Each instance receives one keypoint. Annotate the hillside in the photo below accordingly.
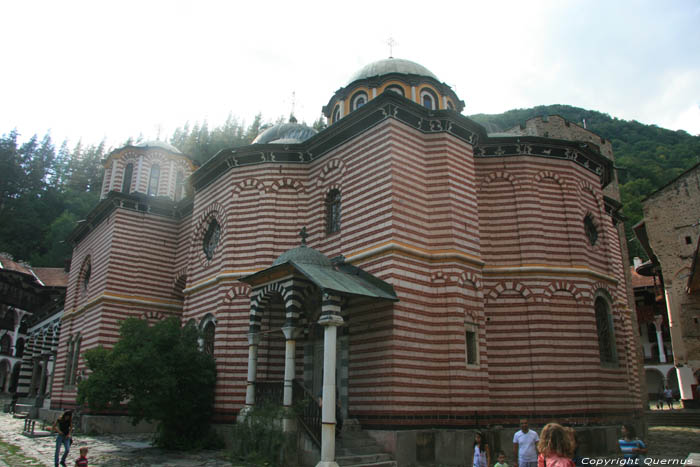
(647, 156)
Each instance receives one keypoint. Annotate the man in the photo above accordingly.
(525, 446)
(668, 395)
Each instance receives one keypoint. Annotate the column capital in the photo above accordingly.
(330, 320)
(291, 332)
(253, 338)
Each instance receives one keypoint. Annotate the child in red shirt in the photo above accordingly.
(82, 460)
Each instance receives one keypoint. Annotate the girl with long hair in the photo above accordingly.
(555, 447)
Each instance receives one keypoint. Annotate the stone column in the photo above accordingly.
(253, 341)
(330, 320)
(290, 333)
(660, 338)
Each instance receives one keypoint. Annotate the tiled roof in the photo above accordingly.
(52, 277)
(639, 280)
(47, 277)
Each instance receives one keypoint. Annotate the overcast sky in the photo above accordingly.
(99, 69)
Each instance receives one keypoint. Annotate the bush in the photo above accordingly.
(158, 374)
(260, 441)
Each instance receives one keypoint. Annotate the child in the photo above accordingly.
(482, 457)
(501, 460)
(555, 447)
(633, 449)
(82, 460)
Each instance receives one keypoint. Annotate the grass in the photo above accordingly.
(12, 455)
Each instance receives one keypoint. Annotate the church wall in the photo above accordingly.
(541, 317)
(132, 259)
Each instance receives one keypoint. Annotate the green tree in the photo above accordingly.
(158, 374)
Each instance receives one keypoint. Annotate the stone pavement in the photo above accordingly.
(129, 450)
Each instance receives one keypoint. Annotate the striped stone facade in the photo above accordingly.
(483, 240)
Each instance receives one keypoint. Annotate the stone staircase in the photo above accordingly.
(683, 417)
(355, 448)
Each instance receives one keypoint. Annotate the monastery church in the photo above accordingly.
(427, 274)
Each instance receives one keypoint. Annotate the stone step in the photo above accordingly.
(358, 450)
(388, 463)
(368, 459)
(352, 442)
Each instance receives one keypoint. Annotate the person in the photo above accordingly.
(64, 427)
(82, 460)
(525, 446)
(668, 396)
(501, 458)
(481, 457)
(555, 447)
(632, 449)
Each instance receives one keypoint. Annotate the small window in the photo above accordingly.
(128, 173)
(359, 100)
(208, 338)
(211, 239)
(179, 185)
(450, 106)
(590, 229)
(86, 278)
(606, 342)
(333, 212)
(688, 240)
(5, 345)
(336, 114)
(472, 343)
(394, 88)
(153, 181)
(428, 99)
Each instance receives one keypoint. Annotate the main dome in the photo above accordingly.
(391, 65)
(285, 133)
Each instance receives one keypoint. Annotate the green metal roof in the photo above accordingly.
(339, 277)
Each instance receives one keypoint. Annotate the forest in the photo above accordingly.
(46, 189)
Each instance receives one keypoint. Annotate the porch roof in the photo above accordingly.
(335, 276)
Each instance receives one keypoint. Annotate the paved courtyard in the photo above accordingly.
(131, 450)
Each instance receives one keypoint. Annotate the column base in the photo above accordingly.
(243, 414)
(327, 464)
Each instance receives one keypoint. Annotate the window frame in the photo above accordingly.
(153, 185)
(358, 95)
(128, 176)
(333, 206)
(605, 330)
(429, 93)
(471, 329)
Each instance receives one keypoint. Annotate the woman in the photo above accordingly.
(482, 457)
(555, 447)
(632, 449)
(64, 427)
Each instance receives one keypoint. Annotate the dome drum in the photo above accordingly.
(413, 79)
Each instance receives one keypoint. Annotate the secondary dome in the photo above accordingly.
(391, 65)
(158, 144)
(285, 133)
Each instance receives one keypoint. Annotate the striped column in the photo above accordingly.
(26, 370)
(330, 319)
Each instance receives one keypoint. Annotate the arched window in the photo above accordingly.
(606, 335)
(19, 348)
(179, 185)
(428, 99)
(333, 211)
(358, 100)
(76, 357)
(5, 345)
(86, 276)
(211, 239)
(69, 362)
(128, 173)
(450, 106)
(395, 88)
(590, 229)
(153, 180)
(336, 114)
(208, 337)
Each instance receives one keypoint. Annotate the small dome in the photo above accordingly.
(158, 144)
(391, 65)
(303, 255)
(285, 133)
